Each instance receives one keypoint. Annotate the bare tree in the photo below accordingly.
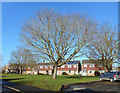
(31, 62)
(104, 48)
(18, 58)
(56, 37)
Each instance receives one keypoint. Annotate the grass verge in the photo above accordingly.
(47, 81)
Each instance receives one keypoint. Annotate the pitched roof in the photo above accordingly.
(70, 62)
(93, 61)
(45, 63)
(73, 62)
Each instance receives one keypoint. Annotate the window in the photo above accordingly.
(50, 66)
(28, 67)
(90, 71)
(92, 65)
(100, 66)
(41, 66)
(46, 66)
(76, 72)
(47, 72)
(69, 71)
(61, 71)
(75, 66)
(69, 66)
(85, 65)
(62, 66)
(24, 71)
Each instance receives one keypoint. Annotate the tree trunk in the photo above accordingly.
(55, 72)
(32, 73)
(20, 69)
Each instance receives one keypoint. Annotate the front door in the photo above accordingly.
(84, 73)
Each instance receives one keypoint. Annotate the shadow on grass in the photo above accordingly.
(73, 76)
(12, 79)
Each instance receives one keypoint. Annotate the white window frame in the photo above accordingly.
(50, 66)
(46, 67)
(76, 71)
(69, 66)
(75, 66)
(41, 66)
(71, 71)
(91, 65)
(62, 66)
(100, 66)
(85, 65)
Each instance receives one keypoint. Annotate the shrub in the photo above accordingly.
(3, 71)
(97, 73)
(64, 73)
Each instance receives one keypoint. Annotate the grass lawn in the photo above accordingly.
(47, 81)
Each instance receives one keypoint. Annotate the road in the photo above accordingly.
(20, 88)
(94, 87)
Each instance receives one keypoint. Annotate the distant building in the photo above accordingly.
(88, 68)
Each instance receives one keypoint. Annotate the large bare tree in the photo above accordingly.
(57, 37)
(104, 48)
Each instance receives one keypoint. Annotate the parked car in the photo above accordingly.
(112, 76)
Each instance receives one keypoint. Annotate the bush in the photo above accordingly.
(3, 71)
(97, 73)
(64, 73)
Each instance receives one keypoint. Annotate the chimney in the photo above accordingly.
(43, 61)
(73, 59)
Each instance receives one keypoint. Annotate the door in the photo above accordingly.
(84, 73)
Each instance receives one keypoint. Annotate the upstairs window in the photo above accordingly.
(50, 66)
(85, 65)
(75, 66)
(46, 66)
(62, 66)
(100, 66)
(69, 66)
(92, 65)
(41, 66)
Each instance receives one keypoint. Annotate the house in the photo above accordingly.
(71, 68)
(88, 68)
(6, 68)
(45, 68)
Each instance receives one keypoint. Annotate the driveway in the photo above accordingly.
(93, 87)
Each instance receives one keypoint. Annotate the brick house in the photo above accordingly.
(45, 68)
(88, 68)
(71, 68)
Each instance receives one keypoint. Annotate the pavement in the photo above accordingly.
(9, 87)
(93, 87)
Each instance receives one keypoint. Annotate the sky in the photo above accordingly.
(15, 14)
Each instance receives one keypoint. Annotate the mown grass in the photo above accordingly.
(47, 81)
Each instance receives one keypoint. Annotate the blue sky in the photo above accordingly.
(14, 15)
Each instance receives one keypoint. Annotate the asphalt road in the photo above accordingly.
(9, 87)
(94, 87)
